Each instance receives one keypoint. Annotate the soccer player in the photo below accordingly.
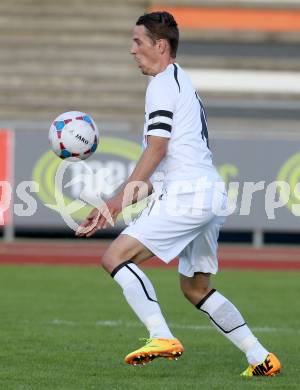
(181, 220)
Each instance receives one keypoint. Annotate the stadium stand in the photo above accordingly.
(61, 55)
(58, 56)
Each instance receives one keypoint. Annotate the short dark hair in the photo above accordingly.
(161, 25)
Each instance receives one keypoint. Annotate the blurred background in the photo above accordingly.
(68, 327)
(243, 57)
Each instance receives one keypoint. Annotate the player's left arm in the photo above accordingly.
(137, 186)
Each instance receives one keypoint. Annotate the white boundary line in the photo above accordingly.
(192, 327)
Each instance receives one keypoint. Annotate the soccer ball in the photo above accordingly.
(73, 134)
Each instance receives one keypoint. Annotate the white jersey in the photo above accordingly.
(174, 110)
(184, 222)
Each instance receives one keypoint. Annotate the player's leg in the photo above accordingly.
(196, 262)
(223, 314)
(121, 260)
(124, 248)
(228, 321)
(165, 234)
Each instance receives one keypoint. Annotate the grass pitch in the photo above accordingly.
(69, 328)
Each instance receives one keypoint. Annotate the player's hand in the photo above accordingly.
(100, 218)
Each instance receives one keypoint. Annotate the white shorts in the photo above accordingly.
(184, 227)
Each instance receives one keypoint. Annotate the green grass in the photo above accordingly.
(54, 334)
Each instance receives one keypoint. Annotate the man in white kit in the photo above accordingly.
(184, 217)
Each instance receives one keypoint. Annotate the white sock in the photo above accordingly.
(140, 295)
(229, 321)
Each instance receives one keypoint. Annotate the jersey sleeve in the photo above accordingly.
(160, 107)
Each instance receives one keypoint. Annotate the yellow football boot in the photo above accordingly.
(170, 349)
(269, 367)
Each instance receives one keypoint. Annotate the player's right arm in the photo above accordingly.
(160, 106)
(137, 187)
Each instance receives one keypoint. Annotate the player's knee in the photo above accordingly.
(110, 260)
(186, 293)
(105, 261)
(194, 295)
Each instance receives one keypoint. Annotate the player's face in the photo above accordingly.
(145, 51)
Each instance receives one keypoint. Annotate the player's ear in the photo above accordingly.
(162, 45)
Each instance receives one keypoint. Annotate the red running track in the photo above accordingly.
(89, 253)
